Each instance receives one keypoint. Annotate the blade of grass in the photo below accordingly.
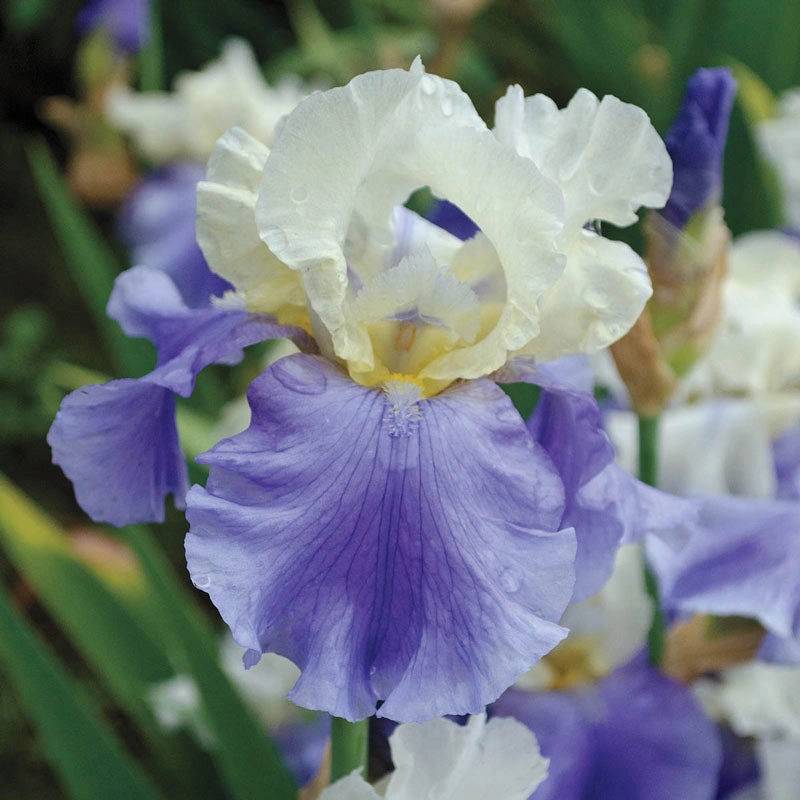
(151, 58)
(88, 759)
(92, 264)
(101, 600)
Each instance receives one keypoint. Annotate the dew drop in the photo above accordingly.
(596, 299)
(276, 239)
(447, 107)
(509, 580)
(202, 581)
(299, 194)
(428, 85)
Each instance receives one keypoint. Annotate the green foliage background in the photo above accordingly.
(78, 643)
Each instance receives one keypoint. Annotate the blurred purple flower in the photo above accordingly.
(743, 558)
(452, 219)
(126, 21)
(302, 746)
(635, 735)
(786, 450)
(158, 224)
(696, 143)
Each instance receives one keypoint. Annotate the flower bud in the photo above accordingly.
(686, 249)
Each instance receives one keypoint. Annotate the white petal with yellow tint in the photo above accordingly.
(596, 301)
(605, 154)
(227, 233)
(355, 153)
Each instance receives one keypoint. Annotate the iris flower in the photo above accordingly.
(446, 761)
(388, 521)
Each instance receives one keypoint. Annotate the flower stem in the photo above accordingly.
(648, 473)
(348, 747)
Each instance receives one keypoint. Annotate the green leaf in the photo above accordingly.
(248, 760)
(92, 264)
(23, 16)
(102, 604)
(89, 761)
(151, 58)
(752, 197)
(524, 396)
(101, 599)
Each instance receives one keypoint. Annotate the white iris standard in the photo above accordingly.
(390, 295)
(608, 160)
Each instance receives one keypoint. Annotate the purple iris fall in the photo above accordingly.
(388, 521)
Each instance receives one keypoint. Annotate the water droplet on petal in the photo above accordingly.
(596, 299)
(202, 581)
(299, 194)
(447, 106)
(276, 239)
(428, 85)
(509, 580)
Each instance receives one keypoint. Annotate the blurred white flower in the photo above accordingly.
(762, 700)
(176, 703)
(779, 138)
(187, 122)
(441, 760)
(716, 437)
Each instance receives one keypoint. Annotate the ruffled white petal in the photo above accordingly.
(351, 787)
(595, 301)
(350, 155)
(605, 154)
(418, 288)
(227, 233)
(442, 760)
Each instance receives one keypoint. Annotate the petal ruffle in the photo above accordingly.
(599, 296)
(118, 445)
(448, 761)
(605, 154)
(397, 550)
(635, 735)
